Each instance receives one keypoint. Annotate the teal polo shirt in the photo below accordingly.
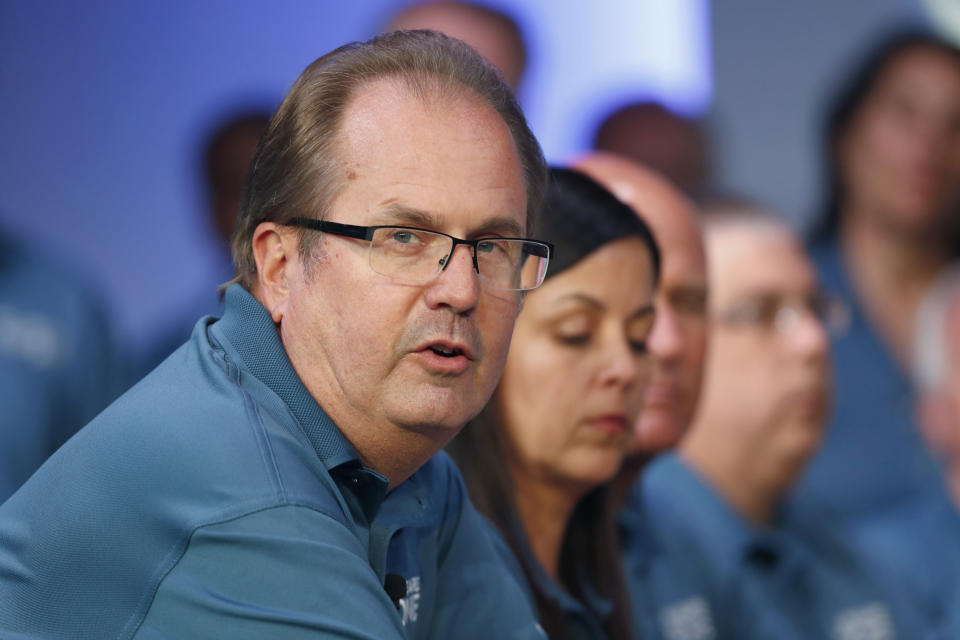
(216, 499)
(708, 574)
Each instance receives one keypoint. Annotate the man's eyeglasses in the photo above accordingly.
(783, 314)
(415, 256)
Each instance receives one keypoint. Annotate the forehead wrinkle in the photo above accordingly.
(398, 213)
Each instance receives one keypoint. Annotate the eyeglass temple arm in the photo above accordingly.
(336, 228)
(541, 250)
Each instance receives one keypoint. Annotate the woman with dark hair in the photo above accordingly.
(538, 459)
(890, 225)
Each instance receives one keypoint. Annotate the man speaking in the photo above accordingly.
(278, 476)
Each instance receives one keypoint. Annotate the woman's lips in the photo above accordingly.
(612, 424)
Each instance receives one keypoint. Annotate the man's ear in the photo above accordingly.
(276, 252)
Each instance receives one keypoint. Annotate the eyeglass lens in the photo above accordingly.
(414, 255)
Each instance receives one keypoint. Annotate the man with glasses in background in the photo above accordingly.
(279, 476)
(716, 508)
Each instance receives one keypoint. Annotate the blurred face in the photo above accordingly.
(900, 158)
(678, 341)
(232, 163)
(491, 39)
(767, 378)
(576, 372)
(659, 139)
(421, 357)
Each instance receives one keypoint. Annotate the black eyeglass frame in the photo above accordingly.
(366, 233)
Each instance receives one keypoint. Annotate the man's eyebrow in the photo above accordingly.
(400, 214)
(642, 312)
(503, 225)
(396, 213)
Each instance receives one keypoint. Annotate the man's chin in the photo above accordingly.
(436, 403)
(656, 431)
(433, 415)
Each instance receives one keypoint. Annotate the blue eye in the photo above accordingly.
(403, 236)
(487, 247)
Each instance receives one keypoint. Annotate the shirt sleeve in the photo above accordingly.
(283, 573)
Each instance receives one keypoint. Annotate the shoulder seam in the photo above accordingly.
(136, 619)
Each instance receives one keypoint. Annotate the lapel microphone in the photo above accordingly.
(396, 587)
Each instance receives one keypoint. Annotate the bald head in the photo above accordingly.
(678, 340)
(493, 34)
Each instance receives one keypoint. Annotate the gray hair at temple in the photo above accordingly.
(930, 353)
(297, 168)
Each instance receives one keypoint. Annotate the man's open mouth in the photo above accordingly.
(446, 352)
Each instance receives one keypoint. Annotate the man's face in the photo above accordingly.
(767, 374)
(363, 344)
(679, 337)
(678, 340)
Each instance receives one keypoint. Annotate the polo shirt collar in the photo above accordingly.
(248, 327)
(719, 531)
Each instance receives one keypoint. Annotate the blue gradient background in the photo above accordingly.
(103, 103)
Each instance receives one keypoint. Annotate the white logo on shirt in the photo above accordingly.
(31, 337)
(688, 620)
(869, 622)
(410, 603)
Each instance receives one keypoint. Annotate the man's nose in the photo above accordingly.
(666, 336)
(809, 335)
(457, 286)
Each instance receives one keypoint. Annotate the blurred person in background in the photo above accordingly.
(227, 152)
(715, 507)
(891, 224)
(936, 371)
(925, 566)
(225, 160)
(494, 34)
(667, 142)
(58, 366)
(539, 459)
(677, 344)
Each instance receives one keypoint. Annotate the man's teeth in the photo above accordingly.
(444, 351)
